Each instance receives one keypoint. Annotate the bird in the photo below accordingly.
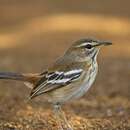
(68, 78)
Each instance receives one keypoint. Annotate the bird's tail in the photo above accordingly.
(28, 79)
(12, 76)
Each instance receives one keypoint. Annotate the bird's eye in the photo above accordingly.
(88, 46)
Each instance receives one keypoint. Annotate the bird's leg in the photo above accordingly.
(57, 115)
(61, 118)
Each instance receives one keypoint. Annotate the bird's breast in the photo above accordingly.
(89, 78)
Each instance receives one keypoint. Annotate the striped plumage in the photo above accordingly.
(65, 81)
(56, 79)
(68, 78)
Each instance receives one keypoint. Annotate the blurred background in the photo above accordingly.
(33, 33)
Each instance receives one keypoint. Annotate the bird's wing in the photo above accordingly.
(56, 79)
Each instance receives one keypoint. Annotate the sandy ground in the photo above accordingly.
(34, 33)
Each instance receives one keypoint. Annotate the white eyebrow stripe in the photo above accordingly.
(83, 44)
(73, 72)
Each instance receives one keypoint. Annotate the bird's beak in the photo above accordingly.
(104, 43)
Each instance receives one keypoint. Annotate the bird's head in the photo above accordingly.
(87, 48)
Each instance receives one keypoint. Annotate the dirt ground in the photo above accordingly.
(34, 33)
